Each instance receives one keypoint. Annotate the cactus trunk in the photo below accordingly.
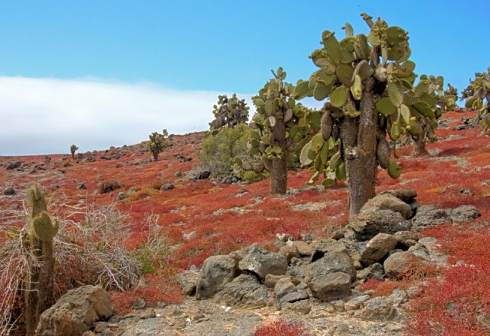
(419, 144)
(279, 171)
(359, 141)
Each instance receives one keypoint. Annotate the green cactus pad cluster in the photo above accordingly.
(345, 67)
(477, 97)
(40, 225)
(228, 112)
(276, 104)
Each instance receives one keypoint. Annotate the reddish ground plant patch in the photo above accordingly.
(458, 303)
(154, 289)
(282, 328)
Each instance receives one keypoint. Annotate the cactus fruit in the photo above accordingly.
(383, 153)
(326, 127)
(41, 230)
(368, 82)
(228, 112)
(158, 142)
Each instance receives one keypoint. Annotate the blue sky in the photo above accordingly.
(212, 46)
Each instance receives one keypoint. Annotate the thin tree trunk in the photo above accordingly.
(279, 171)
(359, 139)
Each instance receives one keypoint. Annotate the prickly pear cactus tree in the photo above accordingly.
(41, 230)
(278, 121)
(477, 97)
(73, 150)
(158, 142)
(367, 82)
(228, 112)
(433, 90)
(450, 98)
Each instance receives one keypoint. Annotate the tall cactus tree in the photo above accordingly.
(41, 230)
(73, 150)
(158, 142)
(228, 112)
(477, 96)
(369, 83)
(432, 88)
(276, 120)
(450, 98)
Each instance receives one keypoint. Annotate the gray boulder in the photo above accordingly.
(286, 291)
(9, 191)
(377, 248)
(76, 312)
(262, 262)
(366, 225)
(246, 291)
(388, 201)
(188, 282)
(428, 216)
(215, 273)
(464, 213)
(330, 277)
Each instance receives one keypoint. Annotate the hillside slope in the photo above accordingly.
(203, 218)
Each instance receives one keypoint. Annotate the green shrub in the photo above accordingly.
(226, 154)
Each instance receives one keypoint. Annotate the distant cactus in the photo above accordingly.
(477, 96)
(73, 150)
(450, 98)
(41, 230)
(158, 142)
(228, 112)
(369, 83)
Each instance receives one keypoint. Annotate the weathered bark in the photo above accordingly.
(155, 156)
(279, 169)
(359, 138)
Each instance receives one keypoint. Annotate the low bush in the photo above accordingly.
(226, 154)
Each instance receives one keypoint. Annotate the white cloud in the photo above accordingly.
(47, 115)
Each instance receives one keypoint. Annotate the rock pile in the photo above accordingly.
(381, 242)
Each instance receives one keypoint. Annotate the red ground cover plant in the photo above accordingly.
(154, 289)
(282, 328)
(458, 303)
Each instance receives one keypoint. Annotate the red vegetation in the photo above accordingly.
(154, 289)
(282, 328)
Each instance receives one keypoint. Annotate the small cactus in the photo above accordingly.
(73, 150)
(158, 142)
(41, 230)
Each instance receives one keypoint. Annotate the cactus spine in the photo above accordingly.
(41, 230)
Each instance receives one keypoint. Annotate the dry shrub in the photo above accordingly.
(92, 252)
